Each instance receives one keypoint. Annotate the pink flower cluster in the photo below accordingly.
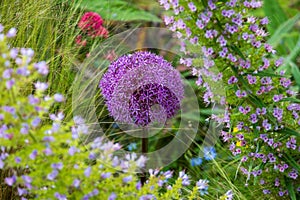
(91, 24)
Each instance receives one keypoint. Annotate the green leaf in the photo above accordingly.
(295, 72)
(275, 14)
(289, 132)
(291, 100)
(118, 10)
(290, 188)
(263, 74)
(282, 30)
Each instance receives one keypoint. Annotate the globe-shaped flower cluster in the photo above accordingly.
(135, 83)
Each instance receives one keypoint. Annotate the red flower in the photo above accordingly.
(100, 32)
(90, 21)
(79, 41)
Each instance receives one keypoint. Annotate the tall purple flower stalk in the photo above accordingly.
(135, 83)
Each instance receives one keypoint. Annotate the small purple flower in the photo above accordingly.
(192, 7)
(73, 150)
(240, 94)
(251, 79)
(41, 86)
(202, 186)
(264, 21)
(277, 98)
(10, 83)
(184, 177)
(279, 62)
(76, 183)
(60, 196)
(112, 196)
(36, 121)
(228, 13)
(52, 175)
(11, 33)
(42, 68)
(253, 118)
(232, 80)
(59, 98)
(88, 171)
(266, 191)
(211, 5)
(11, 180)
(127, 179)
(33, 155)
(58, 166)
(147, 197)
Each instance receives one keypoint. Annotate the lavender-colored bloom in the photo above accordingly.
(253, 118)
(228, 13)
(264, 21)
(112, 196)
(266, 191)
(202, 186)
(229, 195)
(52, 175)
(10, 83)
(144, 79)
(36, 121)
(33, 155)
(168, 20)
(127, 179)
(41, 86)
(88, 171)
(58, 166)
(10, 180)
(277, 98)
(232, 80)
(42, 68)
(73, 150)
(279, 62)
(22, 191)
(211, 5)
(240, 93)
(48, 151)
(251, 79)
(60, 196)
(59, 98)
(76, 183)
(184, 177)
(147, 197)
(11, 33)
(192, 7)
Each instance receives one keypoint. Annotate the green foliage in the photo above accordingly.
(118, 10)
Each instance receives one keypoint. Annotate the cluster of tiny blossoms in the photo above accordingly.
(262, 114)
(91, 23)
(42, 156)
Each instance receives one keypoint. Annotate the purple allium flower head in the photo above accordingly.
(136, 82)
